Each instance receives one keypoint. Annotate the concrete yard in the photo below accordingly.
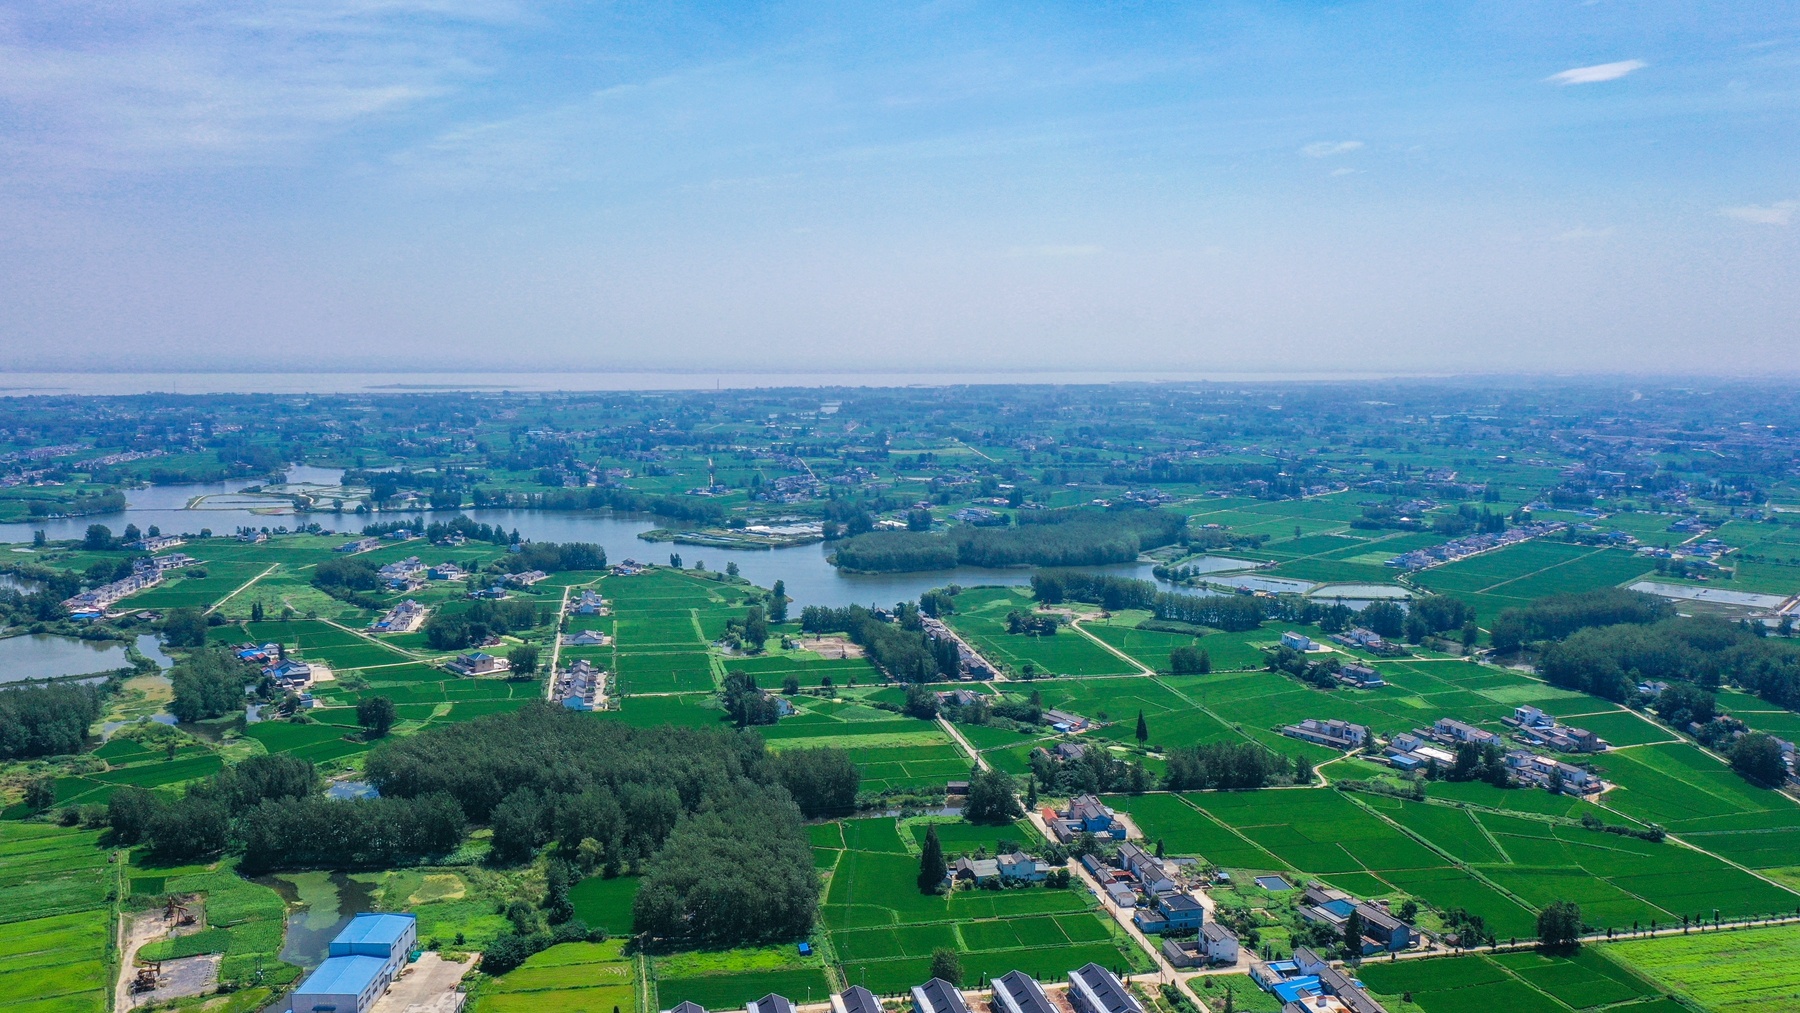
(427, 985)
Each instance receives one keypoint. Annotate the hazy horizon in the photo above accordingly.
(942, 188)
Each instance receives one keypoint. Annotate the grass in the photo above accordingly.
(1727, 972)
(605, 903)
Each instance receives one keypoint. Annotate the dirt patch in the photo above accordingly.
(835, 648)
(427, 985)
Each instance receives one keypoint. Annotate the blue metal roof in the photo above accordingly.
(342, 976)
(375, 930)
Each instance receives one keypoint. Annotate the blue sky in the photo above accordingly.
(1424, 187)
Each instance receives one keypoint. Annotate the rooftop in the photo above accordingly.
(376, 929)
(342, 976)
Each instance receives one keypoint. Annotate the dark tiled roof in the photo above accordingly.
(1018, 992)
(939, 996)
(857, 999)
(1107, 989)
(771, 1003)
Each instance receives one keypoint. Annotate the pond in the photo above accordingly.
(47, 656)
(320, 904)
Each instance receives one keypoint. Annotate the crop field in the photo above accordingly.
(1147, 646)
(1737, 971)
(724, 979)
(55, 920)
(810, 669)
(1681, 787)
(909, 766)
(566, 978)
(980, 617)
(1525, 981)
(884, 930)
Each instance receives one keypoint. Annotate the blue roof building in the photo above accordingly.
(361, 961)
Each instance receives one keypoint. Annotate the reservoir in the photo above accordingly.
(47, 656)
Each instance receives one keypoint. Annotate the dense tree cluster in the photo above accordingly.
(1609, 661)
(704, 811)
(1757, 758)
(1227, 766)
(821, 781)
(1076, 537)
(269, 807)
(1094, 772)
(993, 797)
(209, 683)
(453, 631)
(1557, 616)
(554, 557)
(46, 720)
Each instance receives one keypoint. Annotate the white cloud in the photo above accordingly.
(1779, 213)
(1346, 171)
(1325, 149)
(1597, 73)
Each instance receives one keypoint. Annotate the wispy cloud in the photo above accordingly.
(1325, 149)
(1597, 73)
(223, 83)
(1779, 213)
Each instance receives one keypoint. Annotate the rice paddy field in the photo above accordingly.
(980, 618)
(1735, 971)
(1524, 981)
(566, 978)
(883, 930)
(56, 916)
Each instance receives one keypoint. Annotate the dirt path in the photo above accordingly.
(562, 613)
(1143, 669)
(952, 731)
(241, 588)
(146, 927)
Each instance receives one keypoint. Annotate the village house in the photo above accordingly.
(1380, 930)
(1215, 944)
(1360, 676)
(1086, 814)
(580, 687)
(1453, 731)
(1018, 992)
(478, 663)
(1297, 641)
(938, 996)
(1018, 867)
(855, 999)
(1170, 912)
(1094, 989)
(1547, 772)
(528, 578)
(1335, 733)
(589, 604)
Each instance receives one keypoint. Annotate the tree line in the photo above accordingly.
(899, 648)
(46, 720)
(1080, 537)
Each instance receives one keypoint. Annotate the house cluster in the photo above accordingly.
(1367, 640)
(93, 604)
(359, 964)
(1536, 728)
(403, 574)
(360, 545)
(585, 638)
(405, 617)
(1066, 721)
(526, 579)
(628, 568)
(1423, 747)
(1551, 773)
(1012, 868)
(1381, 931)
(1085, 815)
(1471, 544)
(1334, 733)
(581, 687)
(289, 675)
(589, 604)
(969, 664)
(156, 543)
(1307, 983)
(1062, 752)
(478, 663)
(1165, 908)
(1091, 989)
(493, 592)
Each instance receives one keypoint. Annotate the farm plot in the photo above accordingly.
(981, 619)
(1525, 981)
(1149, 647)
(684, 672)
(1676, 784)
(884, 930)
(732, 978)
(566, 978)
(1729, 972)
(925, 765)
(55, 920)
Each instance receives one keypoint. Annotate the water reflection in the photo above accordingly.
(320, 904)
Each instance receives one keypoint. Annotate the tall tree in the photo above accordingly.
(1353, 933)
(931, 863)
(1143, 729)
(1559, 926)
(376, 715)
(778, 603)
(947, 965)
